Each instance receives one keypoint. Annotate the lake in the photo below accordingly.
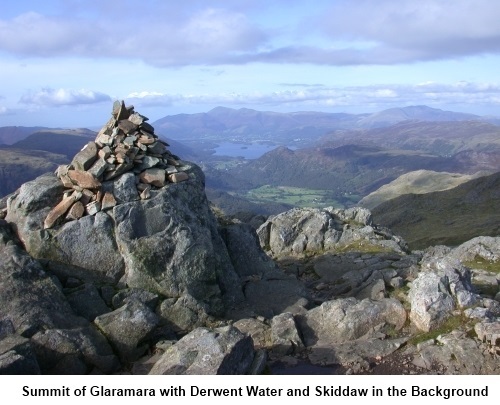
(246, 150)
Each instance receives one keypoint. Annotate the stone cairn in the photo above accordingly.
(126, 143)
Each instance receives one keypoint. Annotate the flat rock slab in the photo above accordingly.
(206, 352)
(126, 327)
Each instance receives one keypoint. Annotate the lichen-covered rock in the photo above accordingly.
(301, 230)
(183, 314)
(485, 247)
(126, 327)
(431, 300)
(347, 319)
(208, 352)
(438, 291)
(285, 338)
(87, 302)
(456, 353)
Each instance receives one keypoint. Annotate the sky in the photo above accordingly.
(63, 62)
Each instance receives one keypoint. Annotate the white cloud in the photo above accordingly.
(384, 96)
(166, 34)
(63, 97)
(409, 30)
(208, 36)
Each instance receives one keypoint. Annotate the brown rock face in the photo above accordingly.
(83, 179)
(178, 177)
(155, 177)
(76, 211)
(58, 211)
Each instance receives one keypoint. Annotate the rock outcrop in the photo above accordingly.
(299, 231)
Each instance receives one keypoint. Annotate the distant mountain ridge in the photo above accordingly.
(440, 138)
(12, 134)
(245, 124)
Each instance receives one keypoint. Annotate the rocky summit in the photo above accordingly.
(117, 264)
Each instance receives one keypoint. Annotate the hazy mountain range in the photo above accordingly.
(246, 125)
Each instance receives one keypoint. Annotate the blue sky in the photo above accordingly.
(63, 62)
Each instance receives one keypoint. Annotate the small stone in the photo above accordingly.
(86, 157)
(116, 108)
(58, 211)
(76, 211)
(137, 118)
(87, 196)
(105, 140)
(98, 196)
(132, 152)
(146, 193)
(170, 169)
(93, 208)
(173, 162)
(127, 126)
(397, 282)
(178, 177)
(120, 169)
(142, 186)
(62, 170)
(145, 127)
(121, 157)
(123, 113)
(130, 140)
(108, 201)
(83, 179)
(98, 168)
(146, 139)
(156, 177)
(66, 181)
(148, 162)
(104, 152)
(157, 148)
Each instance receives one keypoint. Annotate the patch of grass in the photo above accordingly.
(362, 246)
(298, 197)
(480, 263)
(401, 294)
(450, 324)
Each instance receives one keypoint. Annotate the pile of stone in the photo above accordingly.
(126, 144)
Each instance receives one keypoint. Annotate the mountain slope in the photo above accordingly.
(417, 182)
(60, 141)
(446, 217)
(19, 166)
(354, 169)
